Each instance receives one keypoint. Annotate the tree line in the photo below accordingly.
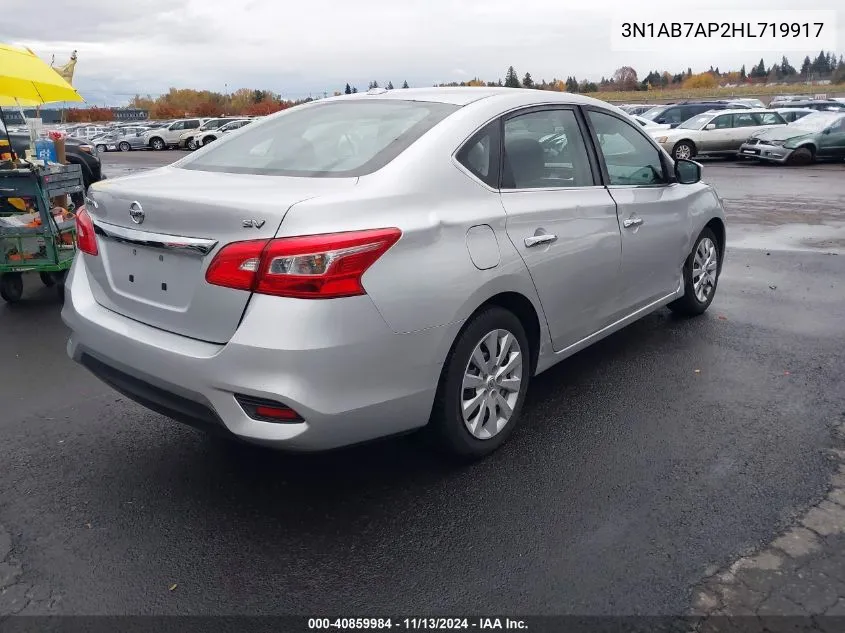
(824, 66)
(187, 102)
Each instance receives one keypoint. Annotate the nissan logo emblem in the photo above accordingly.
(136, 212)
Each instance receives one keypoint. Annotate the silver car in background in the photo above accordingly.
(372, 264)
(716, 133)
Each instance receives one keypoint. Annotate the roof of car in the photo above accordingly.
(740, 111)
(461, 96)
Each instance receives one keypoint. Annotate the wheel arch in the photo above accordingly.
(690, 142)
(521, 307)
(718, 227)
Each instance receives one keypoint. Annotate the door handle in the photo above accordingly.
(535, 240)
(632, 222)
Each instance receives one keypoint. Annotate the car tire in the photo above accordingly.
(476, 434)
(192, 145)
(683, 149)
(157, 143)
(208, 139)
(124, 147)
(11, 287)
(699, 293)
(801, 156)
(101, 148)
(47, 279)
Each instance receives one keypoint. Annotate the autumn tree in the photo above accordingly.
(701, 80)
(625, 78)
(511, 78)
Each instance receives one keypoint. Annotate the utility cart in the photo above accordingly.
(37, 224)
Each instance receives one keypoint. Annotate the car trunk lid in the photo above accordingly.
(157, 233)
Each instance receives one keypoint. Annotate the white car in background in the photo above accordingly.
(193, 139)
(164, 137)
(715, 133)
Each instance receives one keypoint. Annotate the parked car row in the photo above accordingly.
(792, 135)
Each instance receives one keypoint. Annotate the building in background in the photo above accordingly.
(51, 116)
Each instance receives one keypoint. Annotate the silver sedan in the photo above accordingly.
(374, 264)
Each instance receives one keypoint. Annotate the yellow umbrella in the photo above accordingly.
(26, 80)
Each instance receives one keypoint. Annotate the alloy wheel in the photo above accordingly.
(491, 384)
(705, 265)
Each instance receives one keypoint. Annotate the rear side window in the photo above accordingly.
(481, 154)
(335, 139)
(192, 125)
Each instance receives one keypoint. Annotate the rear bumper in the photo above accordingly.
(349, 376)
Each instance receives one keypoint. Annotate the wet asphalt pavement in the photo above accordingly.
(642, 463)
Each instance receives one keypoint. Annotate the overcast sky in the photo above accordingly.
(296, 48)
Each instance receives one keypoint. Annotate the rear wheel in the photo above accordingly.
(124, 146)
(482, 387)
(11, 287)
(60, 284)
(192, 144)
(701, 275)
(157, 144)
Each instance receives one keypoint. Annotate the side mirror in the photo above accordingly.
(710, 126)
(687, 172)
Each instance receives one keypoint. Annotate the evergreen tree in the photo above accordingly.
(742, 75)
(354, 90)
(511, 78)
(806, 67)
(390, 85)
(499, 84)
(787, 69)
(405, 85)
(348, 89)
(571, 84)
(527, 82)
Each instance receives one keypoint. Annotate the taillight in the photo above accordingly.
(86, 241)
(308, 267)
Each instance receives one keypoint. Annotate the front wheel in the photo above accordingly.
(701, 275)
(801, 156)
(157, 144)
(683, 150)
(192, 145)
(483, 385)
(11, 287)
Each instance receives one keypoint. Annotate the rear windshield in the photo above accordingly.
(335, 139)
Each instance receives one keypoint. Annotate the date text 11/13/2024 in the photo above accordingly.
(423, 624)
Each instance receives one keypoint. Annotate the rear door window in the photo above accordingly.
(324, 140)
(744, 120)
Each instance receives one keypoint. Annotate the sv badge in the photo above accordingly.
(253, 224)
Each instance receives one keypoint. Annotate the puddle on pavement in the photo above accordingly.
(828, 238)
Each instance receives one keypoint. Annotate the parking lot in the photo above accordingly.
(644, 464)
